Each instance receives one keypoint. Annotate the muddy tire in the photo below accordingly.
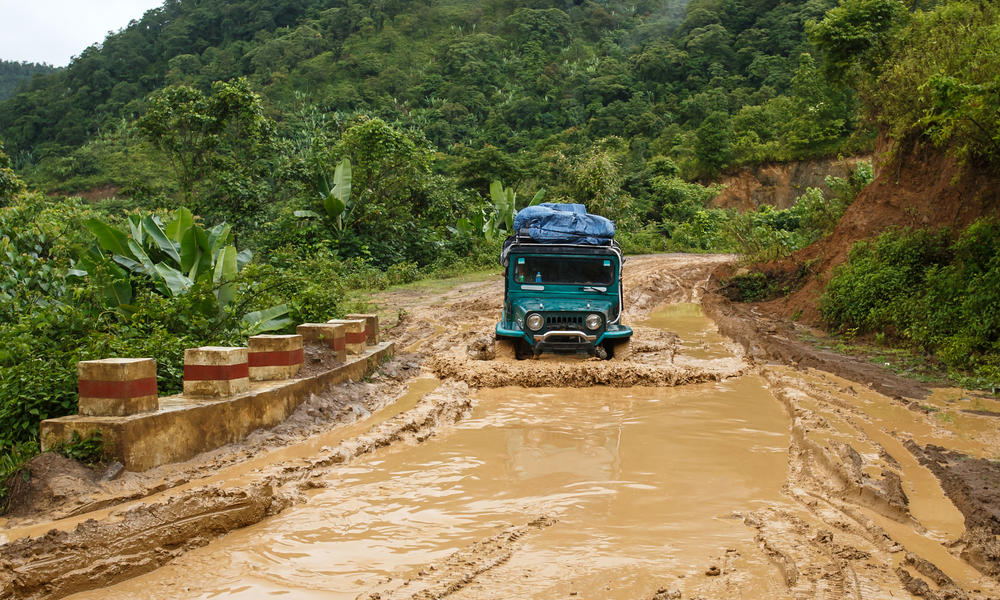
(505, 349)
(622, 350)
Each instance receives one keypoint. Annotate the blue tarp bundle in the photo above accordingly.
(554, 223)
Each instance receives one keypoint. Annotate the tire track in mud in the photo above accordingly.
(839, 547)
(97, 553)
(440, 580)
(494, 374)
(139, 539)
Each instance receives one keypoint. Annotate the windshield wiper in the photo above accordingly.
(594, 288)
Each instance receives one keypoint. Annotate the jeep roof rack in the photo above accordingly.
(524, 241)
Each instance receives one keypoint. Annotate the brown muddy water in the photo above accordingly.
(698, 336)
(643, 482)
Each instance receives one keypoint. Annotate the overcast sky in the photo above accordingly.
(53, 31)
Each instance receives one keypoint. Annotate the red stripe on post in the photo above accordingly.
(216, 372)
(277, 358)
(118, 390)
(339, 343)
(356, 338)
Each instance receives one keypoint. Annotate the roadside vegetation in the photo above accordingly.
(929, 289)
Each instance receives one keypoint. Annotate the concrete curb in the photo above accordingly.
(184, 426)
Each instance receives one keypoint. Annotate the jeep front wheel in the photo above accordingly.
(505, 349)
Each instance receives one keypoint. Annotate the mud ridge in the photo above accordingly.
(445, 406)
(494, 374)
(973, 485)
(440, 580)
(146, 537)
(840, 462)
(767, 339)
(139, 539)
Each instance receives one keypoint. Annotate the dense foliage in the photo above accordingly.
(925, 73)
(13, 74)
(531, 80)
(77, 284)
(924, 287)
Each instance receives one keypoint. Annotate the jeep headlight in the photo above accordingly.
(534, 321)
(593, 321)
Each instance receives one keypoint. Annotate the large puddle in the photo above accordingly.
(697, 335)
(644, 483)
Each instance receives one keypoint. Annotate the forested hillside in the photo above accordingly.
(13, 73)
(505, 73)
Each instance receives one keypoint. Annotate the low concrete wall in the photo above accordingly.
(183, 426)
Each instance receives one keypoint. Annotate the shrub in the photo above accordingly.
(873, 290)
(921, 286)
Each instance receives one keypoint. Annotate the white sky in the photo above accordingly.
(53, 31)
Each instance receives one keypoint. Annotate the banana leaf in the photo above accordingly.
(218, 237)
(135, 226)
(342, 182)
(269, 319)
(190, 253)
(165, 244)
(147, 264)
(204, 267)
(176, 282)
(108, 237)
(182, 223)
(225, 273)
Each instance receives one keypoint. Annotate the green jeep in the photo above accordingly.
(562, 298)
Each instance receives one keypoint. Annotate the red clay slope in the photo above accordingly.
(919, 186)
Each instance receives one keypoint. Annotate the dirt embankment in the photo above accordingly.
(917, 186)
(780, 184)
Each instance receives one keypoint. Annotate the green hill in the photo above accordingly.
(13, 73)
(505, 73)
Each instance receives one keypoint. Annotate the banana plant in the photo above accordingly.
(334, 195)
(173, 256)
(500, 222)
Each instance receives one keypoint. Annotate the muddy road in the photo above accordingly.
(704, 466)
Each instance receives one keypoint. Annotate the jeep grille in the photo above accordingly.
(569, 321)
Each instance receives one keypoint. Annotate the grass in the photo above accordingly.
(437, 283)
(902, 361)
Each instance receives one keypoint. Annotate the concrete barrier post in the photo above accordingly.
(274, 357)
(116, 387)
(216, 371)
(371, 326)
(354, 334)
(327, 334)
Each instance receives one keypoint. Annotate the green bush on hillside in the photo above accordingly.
(924, 287)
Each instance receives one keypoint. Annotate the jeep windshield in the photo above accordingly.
(590, 270)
